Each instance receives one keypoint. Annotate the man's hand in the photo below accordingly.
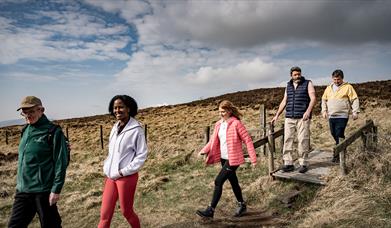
(253, 166)
(355, 116)
(325, 115)
(274, 119)
(306, 115)
(53, 198)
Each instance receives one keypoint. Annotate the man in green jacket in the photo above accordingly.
(42, 163)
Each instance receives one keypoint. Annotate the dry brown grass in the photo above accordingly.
(363, 197)
(174, 182)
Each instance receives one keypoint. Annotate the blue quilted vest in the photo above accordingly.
(298, 99)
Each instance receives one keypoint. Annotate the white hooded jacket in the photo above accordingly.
(127, 150)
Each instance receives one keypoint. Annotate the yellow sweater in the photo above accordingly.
(340, 102)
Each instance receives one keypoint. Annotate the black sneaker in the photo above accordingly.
(303, 169)
(335, 159)
(242, 208)
(207, 213)
(288, 168)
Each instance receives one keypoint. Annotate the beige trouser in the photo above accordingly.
(303, 136)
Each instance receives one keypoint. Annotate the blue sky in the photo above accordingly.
(76, 55)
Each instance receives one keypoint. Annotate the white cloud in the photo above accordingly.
(184, 50)
(236, 24)
(28, 77)
(128, 9)
(198, 49)
(158, 75)
(246, 72)
(36, 42)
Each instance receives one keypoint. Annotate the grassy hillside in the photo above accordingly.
(174, 182)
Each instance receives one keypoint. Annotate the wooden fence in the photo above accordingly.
(368, 135)
(101, 134)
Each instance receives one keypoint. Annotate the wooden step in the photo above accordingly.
(318, 170)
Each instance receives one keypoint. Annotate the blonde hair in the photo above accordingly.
(228, 106)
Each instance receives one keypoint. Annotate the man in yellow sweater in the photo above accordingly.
(338, 100)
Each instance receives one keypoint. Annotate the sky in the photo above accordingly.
(77, 55)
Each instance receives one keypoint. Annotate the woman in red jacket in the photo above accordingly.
(225, 146)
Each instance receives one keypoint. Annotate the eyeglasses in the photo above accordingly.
(29, 112)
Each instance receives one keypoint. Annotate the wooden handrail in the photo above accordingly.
(260, 142)
(361, 132)
(264, 140)
(345, 143)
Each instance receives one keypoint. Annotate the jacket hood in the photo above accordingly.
(343, 84)
(132, 123)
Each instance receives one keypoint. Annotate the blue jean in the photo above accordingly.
(337, 128)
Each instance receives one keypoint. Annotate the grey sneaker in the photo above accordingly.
(242, 208)
(207, 213)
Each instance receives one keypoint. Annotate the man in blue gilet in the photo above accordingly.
(299, 100)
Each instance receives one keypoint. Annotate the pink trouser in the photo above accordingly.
(124, 189)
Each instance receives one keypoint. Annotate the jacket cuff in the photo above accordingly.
(56, 190)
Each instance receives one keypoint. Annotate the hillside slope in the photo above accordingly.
(174, 182)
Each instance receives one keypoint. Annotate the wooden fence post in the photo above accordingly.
(366, 137)
(272, 148)
(206, 134)
(374, 138)
(6, 137)
(282, 141)
(364, 140)
(146, 133)
(101, 136)
(262, 117)
(342, 160)
(67, 133)
(371, 136)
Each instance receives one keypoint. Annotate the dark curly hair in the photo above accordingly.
(295, 68)
(128, 101)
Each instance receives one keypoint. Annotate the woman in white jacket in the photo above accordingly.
(127, 154)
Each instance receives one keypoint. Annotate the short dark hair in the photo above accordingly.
(337, 73)
(295, 68)
(128, 101)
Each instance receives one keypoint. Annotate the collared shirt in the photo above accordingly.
(223, 140)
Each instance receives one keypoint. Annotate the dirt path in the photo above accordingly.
(253, 218)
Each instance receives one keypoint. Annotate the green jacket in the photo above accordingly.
(41, 167)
